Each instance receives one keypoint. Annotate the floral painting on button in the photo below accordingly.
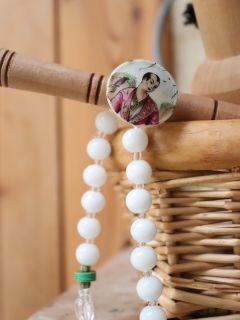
(142, 93)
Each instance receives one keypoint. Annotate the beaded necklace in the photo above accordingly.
(158, 82)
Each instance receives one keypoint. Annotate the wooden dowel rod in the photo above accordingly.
(213, 257)
(213, 231)
(233, 296)
(171, 258)
(172, 211)
(177, 308)
(168, 278)
(168, 175)
(221, 204)
(218, 272)
(208, 194)
(234, 185)
(216, 242)
(221, 280)
(198, 285)
(179, 224)
(201, 300)
(180, 249)
(178, 236)
(200, 180)
(180, 201)
(223, 216)
(185, 267)
(21, 72)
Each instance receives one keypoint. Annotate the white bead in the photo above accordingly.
(143, 258)
(87, 254)
(143, 230)
(149, 288)
(89, 228)
(94, 175)
(93, 201)
(138, 200)
(106, 122)
(98, 148)
(153, 313)
(135, 140)
(139, 171)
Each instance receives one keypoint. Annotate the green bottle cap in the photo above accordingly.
(85, 276)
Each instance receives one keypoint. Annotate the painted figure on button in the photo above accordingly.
(134, 104)
(141, 93)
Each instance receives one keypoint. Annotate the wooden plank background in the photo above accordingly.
(29, 219)
(43, 140)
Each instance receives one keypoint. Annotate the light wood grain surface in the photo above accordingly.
(193, 145)
(29, 220)
(43, 141)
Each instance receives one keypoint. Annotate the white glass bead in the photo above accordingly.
(87, 254)
(135, 140)
(153, 313)
(98, 148)
(106, 122)
(149, 288)
(93, 201)
(143, 230)
(139, 171)
(89, 228)
(138, 200)
(94, 175)
(143, 258)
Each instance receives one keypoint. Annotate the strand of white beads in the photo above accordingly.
(143, 230)
(92, 201)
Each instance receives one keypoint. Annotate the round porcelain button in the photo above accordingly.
(142, 93)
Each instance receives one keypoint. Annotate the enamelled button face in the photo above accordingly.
(142, 93)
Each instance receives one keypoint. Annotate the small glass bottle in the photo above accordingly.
(84, 308)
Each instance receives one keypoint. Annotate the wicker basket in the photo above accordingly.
(198, 240)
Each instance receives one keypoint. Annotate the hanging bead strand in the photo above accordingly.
(92, 201)
(143, 230)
